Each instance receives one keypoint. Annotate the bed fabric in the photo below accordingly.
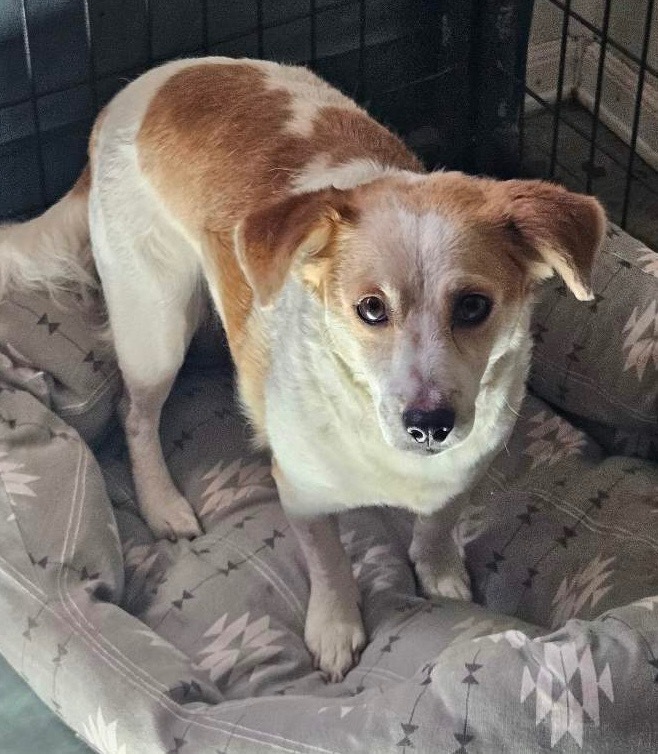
(148, 646)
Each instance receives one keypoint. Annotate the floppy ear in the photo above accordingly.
(270, 241)
(562, 230)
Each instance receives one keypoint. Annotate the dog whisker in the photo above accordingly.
(513, 410)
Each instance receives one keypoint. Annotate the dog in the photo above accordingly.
(377, 315)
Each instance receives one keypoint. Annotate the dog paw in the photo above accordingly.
(334, 636)
(173, 519)
(444, 579)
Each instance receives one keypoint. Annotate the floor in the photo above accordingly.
(609, 171)
(27, 726)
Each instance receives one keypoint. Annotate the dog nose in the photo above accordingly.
(425, 426)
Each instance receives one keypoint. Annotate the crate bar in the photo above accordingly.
(597, 94)
(91, 61)
(611, 42)
(638, 111)
(194, 51)
(585, 134)
(33, 100)
(314, 32)
(205, 34)
(149, 31)
(560, 88)
(471, 155)
(522, 139)
(260, 28)
(422, 80)
(362, 51)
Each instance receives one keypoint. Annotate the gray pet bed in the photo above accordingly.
(147, 646)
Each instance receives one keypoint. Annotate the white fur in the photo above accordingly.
(334, 631)
(354, 466)
(150, 269)
(307, 95)
(50, 251)
(318, 174)
(437, 558)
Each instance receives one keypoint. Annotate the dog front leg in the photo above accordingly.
(334, 630)
(437, 557)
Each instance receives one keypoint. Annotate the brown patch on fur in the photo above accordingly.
(303, 224)
(244, 333)
(232, 288)
(215, 146)
(206, 144)
(564, 229)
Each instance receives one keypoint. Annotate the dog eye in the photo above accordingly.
(471, 309)
(372, 310)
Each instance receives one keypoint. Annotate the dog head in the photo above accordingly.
(425, 282)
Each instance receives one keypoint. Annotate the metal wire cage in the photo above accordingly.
(423, 67)
(591, 119)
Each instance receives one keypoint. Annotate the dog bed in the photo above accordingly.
(148, 646)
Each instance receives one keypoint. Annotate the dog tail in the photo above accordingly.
(50, 252)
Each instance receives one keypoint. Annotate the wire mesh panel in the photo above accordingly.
(591, 118)
(412, 63)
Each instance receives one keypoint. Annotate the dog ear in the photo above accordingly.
(562, 230)
(300, 228)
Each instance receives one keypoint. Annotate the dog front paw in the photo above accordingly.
(437, 580)
(440, 569)
(334, 636)
(173, 519)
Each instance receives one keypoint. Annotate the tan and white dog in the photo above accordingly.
(377, 315)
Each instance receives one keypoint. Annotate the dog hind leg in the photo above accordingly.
(164, 509)
(153, 300)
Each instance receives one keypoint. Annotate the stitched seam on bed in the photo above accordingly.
(74, 409)
(20, 534)
(585, 381)
(574, 512)
(294, 604)
(33, 584)
(17, 577)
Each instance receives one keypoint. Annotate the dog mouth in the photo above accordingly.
(426, 450)
(425, 444)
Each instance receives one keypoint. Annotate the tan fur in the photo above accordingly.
(510, 226)
(208, 122)
(243, 329)
(83, 184)
(542, 222)
(270, 239)
(486, 250)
